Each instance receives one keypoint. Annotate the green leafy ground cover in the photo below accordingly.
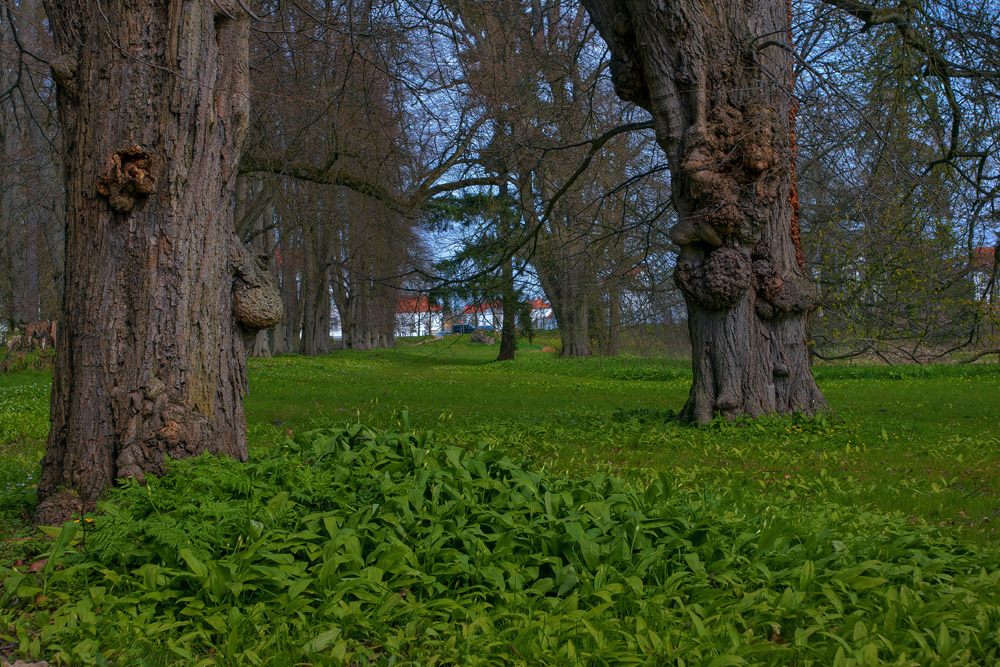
(624, 538)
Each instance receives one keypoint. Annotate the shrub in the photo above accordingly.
(355, 546)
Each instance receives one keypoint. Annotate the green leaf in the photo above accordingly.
(195, 565)
(277, 503)
(322, 640)
(11, 581)
(591, 553)
(298, 587)
(59, 547)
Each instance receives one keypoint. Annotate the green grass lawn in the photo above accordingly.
(924, 441)
(545, 510)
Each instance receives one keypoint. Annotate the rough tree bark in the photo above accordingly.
(570, 301)
(316, 303)
(161, 297)
(717, 77)
(574, 325)
(254, 218)
(508, 329)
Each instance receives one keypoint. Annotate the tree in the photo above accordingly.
(716, 77)
(371, 256)
(255, 224)
(342, 58)
(889, 225)
(161, 297)
(880, 241)
(535, 72)
(484, 266)
(356, 113)
(31, 201)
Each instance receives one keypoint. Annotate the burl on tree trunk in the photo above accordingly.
(717, 77)
(161, 299)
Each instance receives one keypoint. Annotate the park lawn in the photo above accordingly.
(854, 537)
(924, 441)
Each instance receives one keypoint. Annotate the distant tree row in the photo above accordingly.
(232, 167)
(371, 120)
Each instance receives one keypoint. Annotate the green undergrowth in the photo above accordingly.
(33, 360)
(24, 407)
(359, 546)
(941, 371)
(24, 424)
(945, 476)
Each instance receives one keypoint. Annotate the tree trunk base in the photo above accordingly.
(508, 345)
(59, 508)
(746, 366)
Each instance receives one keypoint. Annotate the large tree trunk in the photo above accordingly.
(574, 325)
(561, 276)
(357, 333)
(573, 312)
(161, 297)
(717, 77)
(316, 304)
(508, 330)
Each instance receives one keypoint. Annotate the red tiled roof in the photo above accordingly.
(983, 258)
(636, 270)
(535, 304)
(415, 303)
(482, 308)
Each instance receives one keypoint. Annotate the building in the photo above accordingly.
(983, 261)
(484, 315)
(542, 316)
(491, 315)
(417, 316)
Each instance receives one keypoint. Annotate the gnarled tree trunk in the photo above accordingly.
(254, 218)
(562, 279)
(161, 297)
(717, 77)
